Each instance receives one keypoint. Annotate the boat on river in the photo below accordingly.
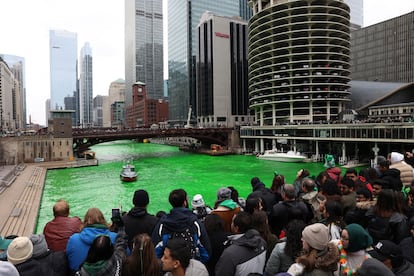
(128, 173)
(275, 155)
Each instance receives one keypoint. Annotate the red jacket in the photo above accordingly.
(58, 231)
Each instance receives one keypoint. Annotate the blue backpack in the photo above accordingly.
(198, 251)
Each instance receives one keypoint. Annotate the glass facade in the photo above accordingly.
(144, 47)
(183, 18)
(86, 86)
(63, 67)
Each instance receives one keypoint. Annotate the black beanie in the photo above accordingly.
(141, 198)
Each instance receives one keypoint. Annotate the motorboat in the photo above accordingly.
(290, 156)
(128, 173)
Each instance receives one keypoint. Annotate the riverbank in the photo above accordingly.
(21, 189)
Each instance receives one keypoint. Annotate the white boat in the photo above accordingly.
(128, 173)
(290, 156)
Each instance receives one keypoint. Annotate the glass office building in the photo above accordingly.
(63, 66)
(183, 18)
(144, 47)
(86, 86)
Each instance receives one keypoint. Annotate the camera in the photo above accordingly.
(116, 212)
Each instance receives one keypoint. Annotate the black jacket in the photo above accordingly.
(138, 221)
(283, 212)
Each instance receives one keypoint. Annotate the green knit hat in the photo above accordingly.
(359, 238)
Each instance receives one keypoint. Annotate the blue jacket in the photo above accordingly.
(79, 243)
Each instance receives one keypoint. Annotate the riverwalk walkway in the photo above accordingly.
(21, 189)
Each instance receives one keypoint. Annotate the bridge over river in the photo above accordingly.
(83, 138)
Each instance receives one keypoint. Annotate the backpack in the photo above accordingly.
(191, 236)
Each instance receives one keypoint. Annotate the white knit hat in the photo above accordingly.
(19, 250)
(316, 235)
(197, 201)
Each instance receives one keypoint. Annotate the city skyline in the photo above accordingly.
(102, 24)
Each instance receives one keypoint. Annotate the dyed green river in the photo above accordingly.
(160, 169)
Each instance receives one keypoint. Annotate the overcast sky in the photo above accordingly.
(25, 25)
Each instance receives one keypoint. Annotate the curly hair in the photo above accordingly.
(293, 245)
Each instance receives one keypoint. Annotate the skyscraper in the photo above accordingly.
(63, 67)
(144, 47)
(86, 86)
(183, 18)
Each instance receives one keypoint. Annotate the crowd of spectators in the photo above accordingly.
(352, 223)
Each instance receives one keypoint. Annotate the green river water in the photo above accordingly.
(160, 169)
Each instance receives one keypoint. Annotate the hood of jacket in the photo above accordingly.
(178, 219)
(229, 203)
(391, 172)
(251, 239)
(89, 233)
(258, 186)
(396, 157)
(327, 259)
(137, 212)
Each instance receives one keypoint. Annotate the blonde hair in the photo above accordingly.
(94, 216)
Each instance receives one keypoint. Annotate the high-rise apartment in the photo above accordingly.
(183, 18)
(63, 67)
(299, 60)
(222, 79)
(86, 86)
(144, 47)
(16, 65)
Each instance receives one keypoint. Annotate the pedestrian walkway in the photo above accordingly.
(20, 202)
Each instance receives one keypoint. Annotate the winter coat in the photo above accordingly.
(246, 254)
(217, 240)
(278, 260)
(30, 267)
(406, 269)
(58, 231)
(358, 214)
(326, 261)
(406, 171)
(195, 268)
(138, 221)
(53, 263)
(79, 243)
(268, 197)
(112, 266)
(395, 229)
(407, 248)
(226, 210)
(178, 220)
(334, 173)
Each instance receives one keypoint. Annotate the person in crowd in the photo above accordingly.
(373, 267)
(312, 198)
(137, 220)
(333, 219)
(58, 231)
(246, 252)
(285, 252)
(406, 171)
(385, 221)
(260, 190)
(8, 269)
(289, 209)
(215, 228)
(331, 191)
(199, 207)
(360, 181)
(407, 244)
(260, 223)
(53, 263)
(347, 186)
(369, 175)
(408, 192)
(277, 183)
(177, 261)
(19, 253)
(105, 258)
(353, 248)
(378, 185)
(320, 257)
(364, 203)
(321, 180)
(409, 158)
(377, 163)
(390, 254)
(241, 202)
(180, 220)
(300, 176)
(142, 260)
(225, 207)
(94, 224)
(391, 175)
(254, 204)
(333, 172)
